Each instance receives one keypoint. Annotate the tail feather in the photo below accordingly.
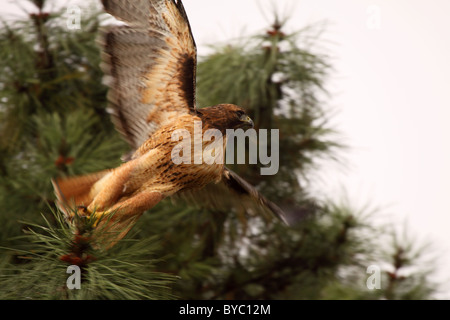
(76, 191)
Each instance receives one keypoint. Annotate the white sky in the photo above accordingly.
(392, 88)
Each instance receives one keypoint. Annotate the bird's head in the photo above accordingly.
(226, 116)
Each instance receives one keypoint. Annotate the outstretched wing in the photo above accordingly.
(150, 65)
(233, 192)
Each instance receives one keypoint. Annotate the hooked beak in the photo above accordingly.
(247, 122)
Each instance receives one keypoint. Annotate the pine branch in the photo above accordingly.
(126, 272)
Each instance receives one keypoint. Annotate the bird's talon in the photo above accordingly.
(95, 218)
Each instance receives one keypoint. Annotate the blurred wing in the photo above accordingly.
(233, 192)
(150, 65)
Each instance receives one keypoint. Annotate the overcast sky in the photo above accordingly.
(391, 86)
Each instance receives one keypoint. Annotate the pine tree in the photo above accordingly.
(54, 122)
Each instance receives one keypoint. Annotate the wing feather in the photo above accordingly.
(150, 65)
(233, 192)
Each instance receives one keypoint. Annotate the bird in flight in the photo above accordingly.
(150, 67)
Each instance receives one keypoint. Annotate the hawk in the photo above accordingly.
(150, 67)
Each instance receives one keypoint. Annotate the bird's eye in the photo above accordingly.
(240, 113)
